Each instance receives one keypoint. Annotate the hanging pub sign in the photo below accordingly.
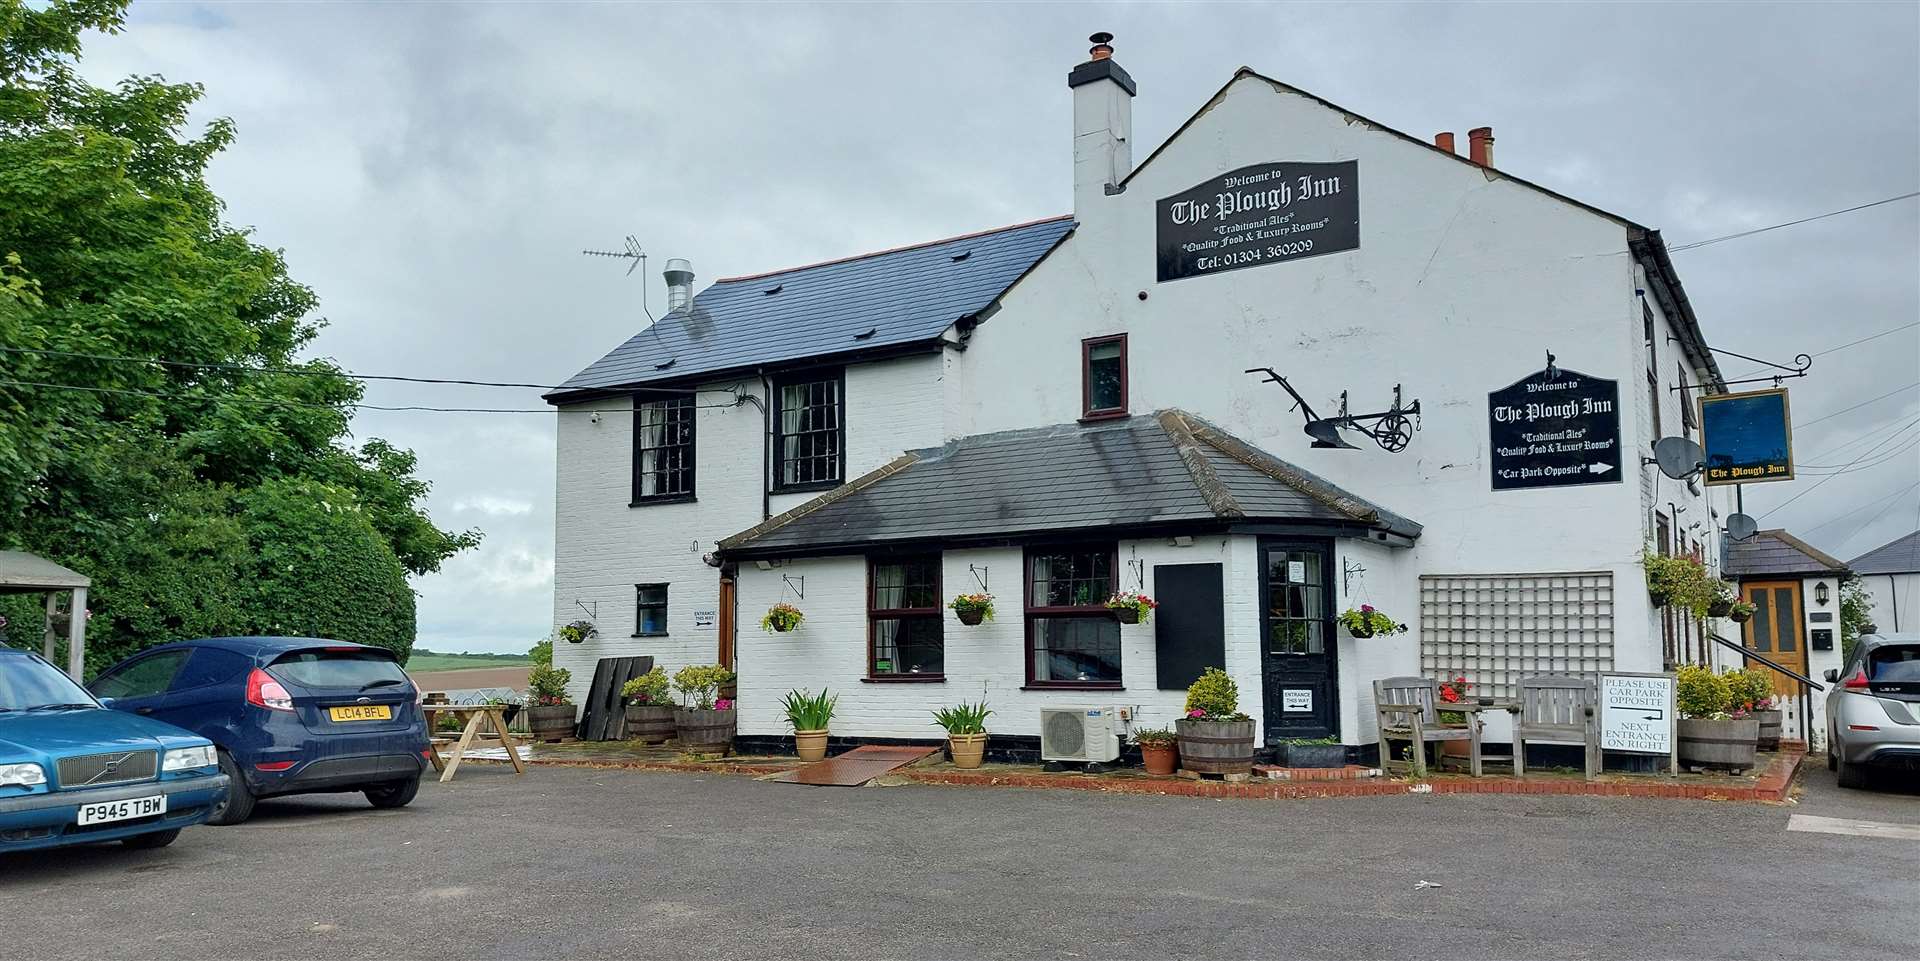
(1257, 215)
(1748, 437)
(1555, 428)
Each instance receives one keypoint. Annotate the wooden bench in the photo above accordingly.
(1405, 707)
(1560, 709)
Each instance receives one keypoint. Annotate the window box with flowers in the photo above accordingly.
(1369, 621)
(1132, 607)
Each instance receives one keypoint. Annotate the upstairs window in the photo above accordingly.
(904, 619)
(809, 443)
(1072, 639)
(650, 601)
(662, 448)
(1686, 399)
(1103, 376)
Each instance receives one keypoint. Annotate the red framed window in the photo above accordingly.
(1072, 639)
(905, 619)
(1103, 377)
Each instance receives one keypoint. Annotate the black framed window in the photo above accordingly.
(1103, 376)
(650, 603)
(905, 619)
(1072, 639)
(662, 448)
(1686, 399)
(809, 440)
(1297, 610)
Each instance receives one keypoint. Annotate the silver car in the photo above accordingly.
(1873, 714)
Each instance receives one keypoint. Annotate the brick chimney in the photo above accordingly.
(1480, 146)
(1102, 124)
(1444, 141)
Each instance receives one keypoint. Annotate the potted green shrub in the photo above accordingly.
(1159, 749)
(1709, 732)
(809, 715)
(649, 700)
(1752, 689)
(705, 722)
(550, 713)
(966, 726)
(1132, 607)
(1368, 621)
(1215, 738)
(972, 608)
(1313, 752)
(781, 618)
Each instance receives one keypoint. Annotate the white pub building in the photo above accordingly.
(1290, 362)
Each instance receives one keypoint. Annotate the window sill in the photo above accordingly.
(813, 488)
(654, 501)
(906, 679)
(1093, 417)
(1071, 686)
(650, 634)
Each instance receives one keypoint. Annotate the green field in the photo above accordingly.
(426, 662)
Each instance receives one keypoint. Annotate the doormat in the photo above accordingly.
(856, 767)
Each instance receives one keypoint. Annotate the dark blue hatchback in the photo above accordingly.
(289, 715)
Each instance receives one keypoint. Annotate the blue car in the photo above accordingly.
(72, 772)
(289, 715)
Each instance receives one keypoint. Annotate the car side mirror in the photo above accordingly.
(107, 702)
(1832, 675)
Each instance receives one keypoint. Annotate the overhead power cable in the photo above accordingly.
(1822, 481)
(1857, 441)
(262, 369)
(1790, 223)
(271, 402)
(1877, 502)
(1843, 410)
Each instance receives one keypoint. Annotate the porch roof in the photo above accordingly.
(1777, 552)
(24, 573)
(1152, 472)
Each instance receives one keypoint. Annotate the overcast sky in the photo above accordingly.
(433, 170)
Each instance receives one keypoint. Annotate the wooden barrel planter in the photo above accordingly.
(650, 723)
(704, 731)
(549, 722)
(1729, 744)
(1215, 747)
(1770, 722)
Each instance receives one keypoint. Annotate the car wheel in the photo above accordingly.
(1850, 775)
(237, 806)
(397, 795)
(147, 842)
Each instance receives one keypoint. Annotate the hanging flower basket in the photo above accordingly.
(1132, 607)
(1367, 621)
(1741, 612)
(578, 632)
(972, 609)
(781, 618)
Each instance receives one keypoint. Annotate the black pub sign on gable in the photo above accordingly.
(1258, 215)
(1554, 428)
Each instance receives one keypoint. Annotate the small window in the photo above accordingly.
(1653, 402)
(1104, 376)
(650, 600)
(809, 440)
(147, 677)
(662, 448)
(1072, 639)
(1686, 398)
(905, 619)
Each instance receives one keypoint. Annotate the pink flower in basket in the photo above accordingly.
(723, 704)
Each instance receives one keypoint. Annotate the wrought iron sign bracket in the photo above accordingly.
(1801, 364)
(798, 585)
(979, 572)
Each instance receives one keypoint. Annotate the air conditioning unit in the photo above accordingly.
(1079, 734)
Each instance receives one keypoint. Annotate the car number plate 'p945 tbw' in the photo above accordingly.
(361, 712)
(127, 810)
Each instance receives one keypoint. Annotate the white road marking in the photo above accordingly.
(1865, 829)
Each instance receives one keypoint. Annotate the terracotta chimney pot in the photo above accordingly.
(1444, 141)
(1480, 146)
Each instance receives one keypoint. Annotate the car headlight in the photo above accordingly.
(189, 758)
(26, 775)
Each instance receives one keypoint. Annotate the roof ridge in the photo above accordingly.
(1832, 562)
(1218, 496)
(848, 489)
(1295, 477)
(892, 250)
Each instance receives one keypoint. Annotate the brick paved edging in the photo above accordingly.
(1771, 786)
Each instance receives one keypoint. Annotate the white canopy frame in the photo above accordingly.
(23, 573)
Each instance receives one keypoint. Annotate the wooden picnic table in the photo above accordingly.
(470, 736)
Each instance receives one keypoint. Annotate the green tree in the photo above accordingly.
(187, 489)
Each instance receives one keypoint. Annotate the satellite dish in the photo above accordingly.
(1742, 526)
(1679, 458)
(1326, 433)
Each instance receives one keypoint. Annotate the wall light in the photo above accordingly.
(1820, 594)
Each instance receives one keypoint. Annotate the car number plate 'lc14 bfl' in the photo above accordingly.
(361, 712)
(127, 810)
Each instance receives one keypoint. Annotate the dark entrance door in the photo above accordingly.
(1298, 651)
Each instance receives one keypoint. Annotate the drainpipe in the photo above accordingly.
(1893, 599)
(766, 447)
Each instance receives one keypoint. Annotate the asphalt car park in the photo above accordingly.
(591, 863)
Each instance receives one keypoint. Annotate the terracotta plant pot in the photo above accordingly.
(546, 722)
(1126, 615)
(650, 723)
(704, 731)
(810, 745)
(1215, 747)
(972, 618)
(1160, 759)
(968, 750)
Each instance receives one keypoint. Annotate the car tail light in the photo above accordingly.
(1858, 682)
(264, 691)
(274, 766)
(1861, 727)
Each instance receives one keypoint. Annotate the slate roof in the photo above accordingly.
(890, 299)
(1163, 471)
(1777, 552)
(1901, 556)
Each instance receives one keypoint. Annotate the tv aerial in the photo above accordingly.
(1392, 428)
(637, 258)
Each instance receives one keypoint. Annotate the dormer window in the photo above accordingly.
(1103, 377)
(809, 431)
